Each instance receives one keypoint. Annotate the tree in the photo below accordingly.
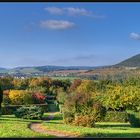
(20, 97)
(121, 97)
(1, 97)
(86, 86)
(75, 84)
(6, 82)
(20, 84)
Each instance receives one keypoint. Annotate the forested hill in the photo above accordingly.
(43, 69)
(133, 61)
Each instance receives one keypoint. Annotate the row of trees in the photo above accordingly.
(115, 95)
(83, 101)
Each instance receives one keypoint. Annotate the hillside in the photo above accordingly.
(41, 70)
(3, 70)
(133, 61)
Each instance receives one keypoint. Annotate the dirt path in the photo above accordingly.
(38, 127)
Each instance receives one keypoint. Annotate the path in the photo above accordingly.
(38, 127)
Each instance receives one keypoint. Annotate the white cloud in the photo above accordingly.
(57, 24)
(135, 36)
(54, 10)
(78, 11)
(72, 11)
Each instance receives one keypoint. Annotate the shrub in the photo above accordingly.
(115, 116)
(68, 117)
(134, 118)
(8, 110)
(38, 98)
(6, 99)
(19, 97)
(98, 111)
(83, 104)
(31, 112)
(61, 97)
(86, 121)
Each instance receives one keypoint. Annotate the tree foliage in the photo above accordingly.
(20, 97)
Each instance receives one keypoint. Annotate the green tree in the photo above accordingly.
(1, 97)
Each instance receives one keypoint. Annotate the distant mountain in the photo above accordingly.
(3, 70)
(53, 68)
(133, 61)
(42, 69)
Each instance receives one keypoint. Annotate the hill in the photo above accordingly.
(133, 61)
(41, 70)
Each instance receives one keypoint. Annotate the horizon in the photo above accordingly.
(68, 34)
(52, 66)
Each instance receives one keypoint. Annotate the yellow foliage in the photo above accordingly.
(20, 97)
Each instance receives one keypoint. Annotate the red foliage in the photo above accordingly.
(38, 98)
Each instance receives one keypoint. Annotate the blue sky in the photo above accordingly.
(68, 34)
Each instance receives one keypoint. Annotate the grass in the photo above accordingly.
(102, 129)
(11, 127)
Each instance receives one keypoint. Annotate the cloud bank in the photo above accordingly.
(71, 11)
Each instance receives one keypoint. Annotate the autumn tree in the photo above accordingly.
(75, 84)
(19, 97)
(20, 84)
(6, 82)
(121, 97)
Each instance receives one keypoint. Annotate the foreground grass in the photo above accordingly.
(11, 127)
(102, 129)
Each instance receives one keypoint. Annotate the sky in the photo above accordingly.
(68, 34)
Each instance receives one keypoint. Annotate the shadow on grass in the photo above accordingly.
(18, 120)
(112, 135)
(58, 118)
(111, 125)
(7, 116)
(54, 122)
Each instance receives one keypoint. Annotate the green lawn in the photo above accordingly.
(106, 129)
(12, 127)
(17, 128)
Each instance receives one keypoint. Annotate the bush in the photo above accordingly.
(86, 118)
(8, 110)
(134, 118)
(38, 98)
(83, 104)
(97, 111)
(6, 100)
(31, 112)
(115, 116)
(86, 121)
(68, 117)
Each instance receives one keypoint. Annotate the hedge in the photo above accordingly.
(116, 116)
(134, 118)
(30, 112)
(10, 109)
